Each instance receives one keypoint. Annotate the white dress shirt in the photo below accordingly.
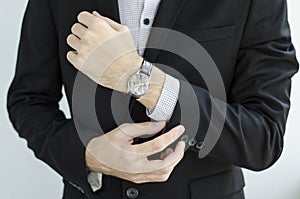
(138, 16)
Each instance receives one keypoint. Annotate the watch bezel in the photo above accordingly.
(145, 70)
(132, 91)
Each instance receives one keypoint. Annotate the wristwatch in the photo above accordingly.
(139, 83)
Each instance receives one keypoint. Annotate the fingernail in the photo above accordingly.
(180, 129)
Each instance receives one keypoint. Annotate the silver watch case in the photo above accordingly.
(139, 83)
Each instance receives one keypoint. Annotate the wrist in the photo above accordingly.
(157, 79)
(91, 162)
(89, 158)
(120, 72)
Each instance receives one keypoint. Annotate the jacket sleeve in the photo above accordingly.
(258, 101)
(34, 95)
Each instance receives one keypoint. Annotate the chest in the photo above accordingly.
(216, 25)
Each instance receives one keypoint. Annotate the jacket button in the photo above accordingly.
(132, 193)
(199, 145)
(192, 142)
(185, 138)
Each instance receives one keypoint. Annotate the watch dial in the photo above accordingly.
(138, 84)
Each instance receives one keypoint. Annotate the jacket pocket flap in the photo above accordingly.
(212, 34)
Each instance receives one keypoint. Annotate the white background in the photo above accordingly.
(23, 176)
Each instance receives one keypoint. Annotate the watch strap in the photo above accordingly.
(146, 68)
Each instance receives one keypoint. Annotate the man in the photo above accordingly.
(248, 40)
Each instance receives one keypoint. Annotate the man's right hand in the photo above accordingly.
(114, 153)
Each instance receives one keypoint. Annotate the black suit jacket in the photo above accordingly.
(248, 40)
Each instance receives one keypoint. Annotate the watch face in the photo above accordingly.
(138, 84)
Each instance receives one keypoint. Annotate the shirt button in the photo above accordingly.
(132, 193)
(146, 21)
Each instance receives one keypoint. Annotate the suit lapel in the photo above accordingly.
(109, 8)
(167, 13)
(166, 16)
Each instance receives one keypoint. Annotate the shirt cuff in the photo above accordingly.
(95, 180)
(166, 103)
